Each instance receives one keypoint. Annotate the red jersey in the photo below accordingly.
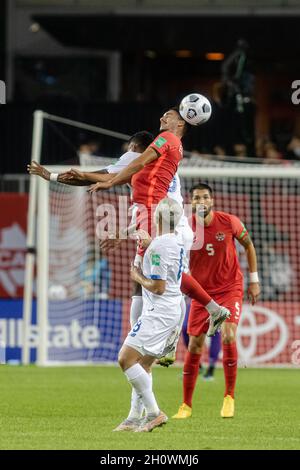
(151, 184)
(215, 265)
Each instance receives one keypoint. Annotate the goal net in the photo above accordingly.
(85, 295)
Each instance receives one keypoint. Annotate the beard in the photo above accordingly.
(202, 211)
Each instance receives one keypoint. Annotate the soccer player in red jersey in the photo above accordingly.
(150, 176)
(216, 267)
(151, 173)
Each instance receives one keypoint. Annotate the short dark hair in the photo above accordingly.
(142, 138)
(187, 126)
(201, 186)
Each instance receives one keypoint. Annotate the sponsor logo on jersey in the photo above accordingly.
(160, 142)
(220, 236)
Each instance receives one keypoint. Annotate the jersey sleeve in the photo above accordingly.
(122, 162)
(159, 263)
(238, 228)
(162, 142)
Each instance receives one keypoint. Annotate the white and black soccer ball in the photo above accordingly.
(195, 109)
(57, 292)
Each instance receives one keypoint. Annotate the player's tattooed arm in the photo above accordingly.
(254, 287)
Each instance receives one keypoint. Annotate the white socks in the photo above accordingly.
(142, 384)
(137, 405)
(212, 306)
(135, 309)
(142, 396)
(183, 312)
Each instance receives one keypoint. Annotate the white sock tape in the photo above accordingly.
(53, 176)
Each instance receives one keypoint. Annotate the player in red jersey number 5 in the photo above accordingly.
(216, 267)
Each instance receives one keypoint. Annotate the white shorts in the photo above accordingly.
(185, 236)
(155, 334)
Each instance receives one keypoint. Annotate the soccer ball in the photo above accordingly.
(57, 292)
(195, 109)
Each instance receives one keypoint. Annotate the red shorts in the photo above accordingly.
(198, 322)
(145, 221)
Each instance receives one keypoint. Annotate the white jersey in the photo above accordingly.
(158, 328)
(163, 259)
(174, 190)
(123, 162)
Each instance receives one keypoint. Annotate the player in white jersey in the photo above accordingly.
(136, 145)
(155, 331)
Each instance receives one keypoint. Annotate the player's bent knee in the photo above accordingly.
(227, 340)
(123, 359)
(229, 333)
(195, 344)
(128, 357)
(195, 350)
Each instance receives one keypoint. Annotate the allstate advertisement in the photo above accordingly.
(93, 329)
(86, 336)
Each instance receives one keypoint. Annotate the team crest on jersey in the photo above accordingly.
(220, 236)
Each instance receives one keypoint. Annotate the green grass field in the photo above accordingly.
(77, 408)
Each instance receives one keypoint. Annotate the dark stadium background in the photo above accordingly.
(153, 76)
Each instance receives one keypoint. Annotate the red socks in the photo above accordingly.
(190, 375)
(192, 288)
(191, 371)
(230, 367)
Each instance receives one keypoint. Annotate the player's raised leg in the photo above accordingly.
(218, 313)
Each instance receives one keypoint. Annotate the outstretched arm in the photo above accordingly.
(71, 177)
(125, 175)
(86, 178)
